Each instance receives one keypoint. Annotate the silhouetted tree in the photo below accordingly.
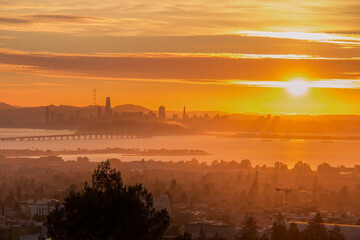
(173, 184)
(278, 230)
(293, 232)
(316, 229)
(280, 166)
(202, 235)
(254, 189)
(245, 164)
(248, 230)
(185, 236)
(107, 210)
(336, 234)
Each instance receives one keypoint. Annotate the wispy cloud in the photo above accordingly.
(61, 18)
(14, 21)
(45, 18)
(330, 83)
(198, 17)
(49, 84)
(192, 68)
(234, 44)
(342, 39)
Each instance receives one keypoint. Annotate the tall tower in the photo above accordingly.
(162, 114)
(108, 111)
(184, 114)
(94, 97)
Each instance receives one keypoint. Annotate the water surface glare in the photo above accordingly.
(259, 151)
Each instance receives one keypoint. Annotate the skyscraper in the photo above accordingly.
(108, 111)
(162, 114)
(184, 114)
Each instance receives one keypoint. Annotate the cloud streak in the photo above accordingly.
(14, 21)
(331, 83)
(61, 18)
(45, 18)
(191, 68)
(198, 17)
(348, 40)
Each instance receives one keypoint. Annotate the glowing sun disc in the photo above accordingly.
(297, 87)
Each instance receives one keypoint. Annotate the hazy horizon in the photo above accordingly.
(155, 109)
(180, 120)
(229, 56)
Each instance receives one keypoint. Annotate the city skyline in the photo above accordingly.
(179, 120)
(228, 56)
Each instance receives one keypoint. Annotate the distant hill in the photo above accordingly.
(130, 108)
(30, 115)
(4, 106)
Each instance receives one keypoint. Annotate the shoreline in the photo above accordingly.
(123, 151)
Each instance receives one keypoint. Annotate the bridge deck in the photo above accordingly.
(73, 137)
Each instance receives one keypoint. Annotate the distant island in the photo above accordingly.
(124, 151)
(136, 128)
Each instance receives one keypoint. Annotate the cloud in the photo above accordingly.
(61, 18)
(331, 83)
(195, 17)
(191, 68)
(348, 40)
(14, 21)
(68, 43)
(24, 20)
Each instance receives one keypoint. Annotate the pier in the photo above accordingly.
(83, 136)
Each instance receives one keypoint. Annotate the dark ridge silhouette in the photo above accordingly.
(5, 106)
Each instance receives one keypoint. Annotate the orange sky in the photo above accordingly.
(233, 56)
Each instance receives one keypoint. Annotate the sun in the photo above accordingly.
(297, 87)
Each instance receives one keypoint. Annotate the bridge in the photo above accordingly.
(82, 136)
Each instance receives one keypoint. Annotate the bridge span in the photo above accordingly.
(83, 136)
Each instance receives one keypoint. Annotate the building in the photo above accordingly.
(134, 116)
(151, 115)
(162, 114)
(351, 232)
(42, 207)
(99, 113)
(210, 228)
(175, 117)
(4, 227)
(108, 110)
(184, 114)
(26, 232)
(47, 115)
(52, 117)
(162, 202)
(77, 115)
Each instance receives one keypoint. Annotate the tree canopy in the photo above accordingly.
(107, 209)
(248, 230)
(279, 230)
